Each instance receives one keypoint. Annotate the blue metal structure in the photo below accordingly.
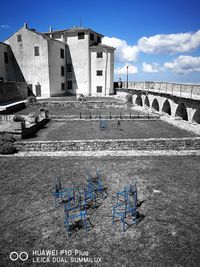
(126, 206)
(62, 194)
(103, 125)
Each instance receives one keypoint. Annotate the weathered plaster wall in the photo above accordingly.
(34, 68)
(79, 57)
(107, 70)
(55, 63)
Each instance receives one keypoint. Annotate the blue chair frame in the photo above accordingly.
(126, 206)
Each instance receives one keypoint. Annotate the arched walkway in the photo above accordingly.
(166, 107)
(138, 101)
(196, 117)
(146, 101)
(155, 105)
(181, 112)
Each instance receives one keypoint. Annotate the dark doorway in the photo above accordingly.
(38, 90)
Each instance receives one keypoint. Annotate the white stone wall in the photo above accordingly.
(55, 63)
(79, 57)
(106, 64)
(34, 68)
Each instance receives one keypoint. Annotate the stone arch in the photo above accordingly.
(166, 107)
(155, 104)
(181, 112)
(146, 101)
(138, 101)
(196, 117)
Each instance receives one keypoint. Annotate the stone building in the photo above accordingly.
(71, 61)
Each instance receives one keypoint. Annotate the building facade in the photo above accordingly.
(71, 61)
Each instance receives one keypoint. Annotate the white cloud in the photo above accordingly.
(184, 65)
(4, 26)
(123, 70)
(124, 52)
(170, 43)
(150, 67)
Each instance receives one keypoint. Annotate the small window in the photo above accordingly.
(98, 39)
(69, 85)
(69, 67)
(99, 89)
(36, 50)
(6, 57)
(62, 71)
(19, 38)
(81, 35)
(91, 37)
(62, 53)
(99, 54)
(63, 86)
(99, 72)
(1, 78)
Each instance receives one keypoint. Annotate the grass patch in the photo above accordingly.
(168, 235)
(90, 130)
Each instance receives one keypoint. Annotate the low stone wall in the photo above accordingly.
(78, 104)
(95, 145)
(10, 91)
(92, 117)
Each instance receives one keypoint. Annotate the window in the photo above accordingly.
(6, 57)
(99, 89)
(99, 72)
(36, 50)
(63, 86)
(69, 67)
(99, 54)
(81, 35)
(69, 85)
(19, 38)
(91, 37)
(62, 71)
(98, 39)
(62, 53)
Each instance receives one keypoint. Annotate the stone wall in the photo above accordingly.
(95, 145)
(10, 91)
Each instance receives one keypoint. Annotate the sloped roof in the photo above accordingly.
(72, 30)
(100, 46)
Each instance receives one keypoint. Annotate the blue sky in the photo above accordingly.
(158, 40)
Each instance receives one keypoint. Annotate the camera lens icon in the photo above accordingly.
(14, 256)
